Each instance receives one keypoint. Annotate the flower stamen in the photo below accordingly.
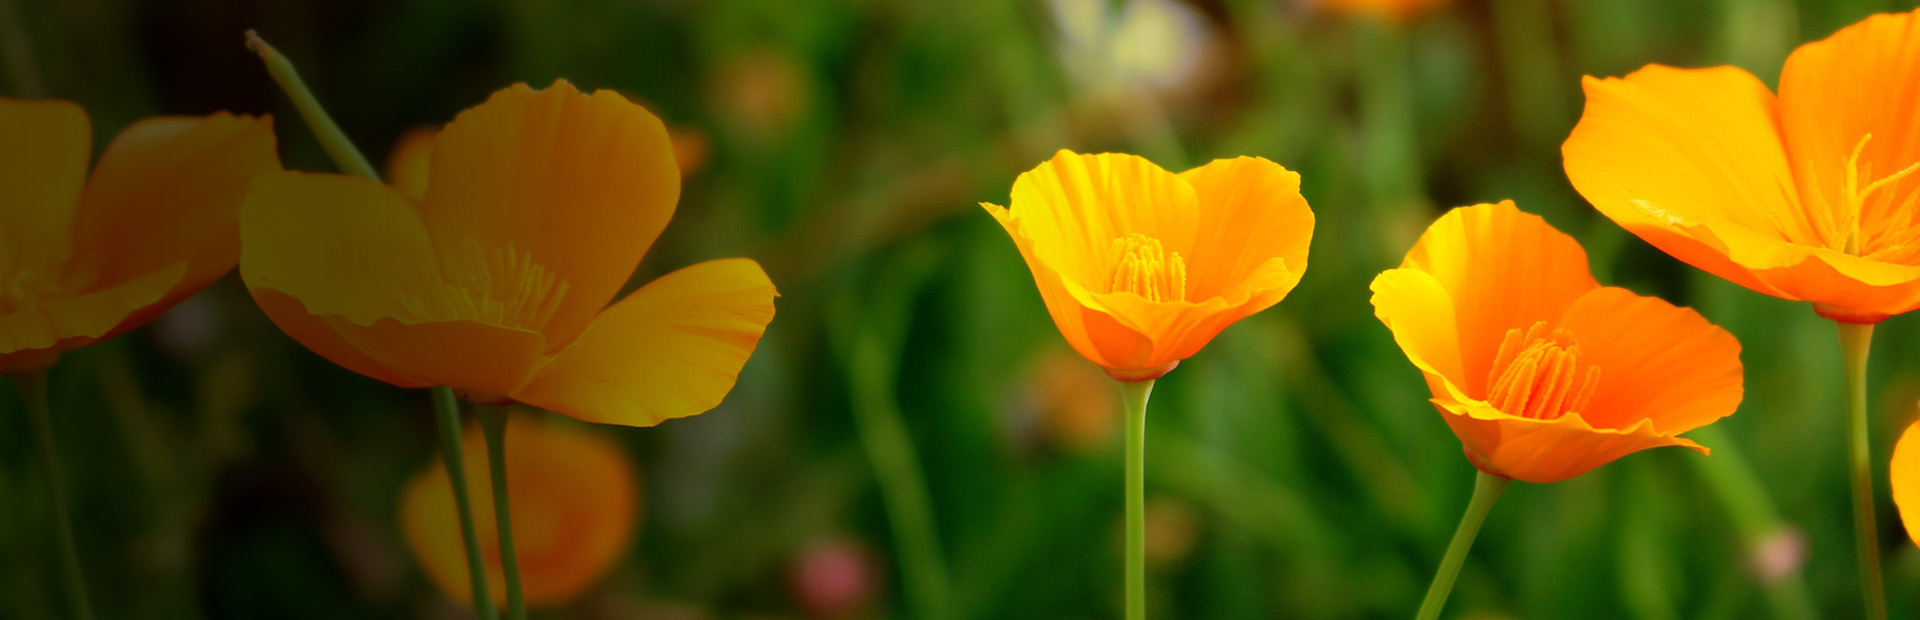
(501, 286)
(1142, 267)
(1538, 375)
(1857, 197)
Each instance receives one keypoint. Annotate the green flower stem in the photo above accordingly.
(493, 422)
(896, 466)
(33, 390)
(1486, 488)
(18, 54)
(341, 149)
(1855, 340)
(447, 410)
(1135, 394)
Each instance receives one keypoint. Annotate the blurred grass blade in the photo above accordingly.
(21, 72)
(868, 340)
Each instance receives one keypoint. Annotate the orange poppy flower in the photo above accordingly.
(1543, 373)
(1804, 196)
(575, 502)
(495, 282)
(1905, 475)
(1392, 9)
(1141, 267)
(83, 258)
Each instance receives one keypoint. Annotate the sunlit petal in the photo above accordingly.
(671, 349)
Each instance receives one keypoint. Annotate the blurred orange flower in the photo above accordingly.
(1141, 267)
(575, 502)
(1805, 196)
(1904, 472)
(1392, 9)
(1077, 407)
(83, 258)
(495, 282)
(1543, 373)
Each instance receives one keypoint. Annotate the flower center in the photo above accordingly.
(1888, 249)
(1142, 267)
(30, 279)
(500, 286)
(1538, 375)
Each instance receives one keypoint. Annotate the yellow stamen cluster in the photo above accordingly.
(1883, 249)
(501, 286)
(1537, 375)
(30, 278)
(1142, 267)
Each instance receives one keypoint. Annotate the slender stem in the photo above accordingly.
(896, 466)
(1135, 394)
(447, 410)
(1486, 488)
(33, 390)
(1855, 340)
(493, 422)
(341, 149)
(19, 54)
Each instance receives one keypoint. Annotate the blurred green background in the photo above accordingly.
(1295, 469)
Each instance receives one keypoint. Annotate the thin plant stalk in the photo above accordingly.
(33, 390)
(18, 54)
(1486, 489)
(1135, 394)
(446, 408)
(896, 466)
(493, 423)
(1855, 340)
(335, 141)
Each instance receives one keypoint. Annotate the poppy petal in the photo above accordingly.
(671, 349)
(499, 170)
(1251, 212)
(317, 335)
(72, 321)
(1904, 473)
(167, 190)
(1504, 269)
(1091, 332)
(342, 246)
(43, 163)
(482, 361)
(1073, 207)
(385, 298)
(1833, 93)
(1657, 362)
(1691, 161)
(1420, 313)
(1546, 450)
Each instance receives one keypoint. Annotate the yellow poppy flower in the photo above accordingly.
(1541, 372)
(1803, 196)
(575, 503)
(496, 281)
(83, 258)
(1141, 267)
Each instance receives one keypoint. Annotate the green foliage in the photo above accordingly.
(218, 470)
